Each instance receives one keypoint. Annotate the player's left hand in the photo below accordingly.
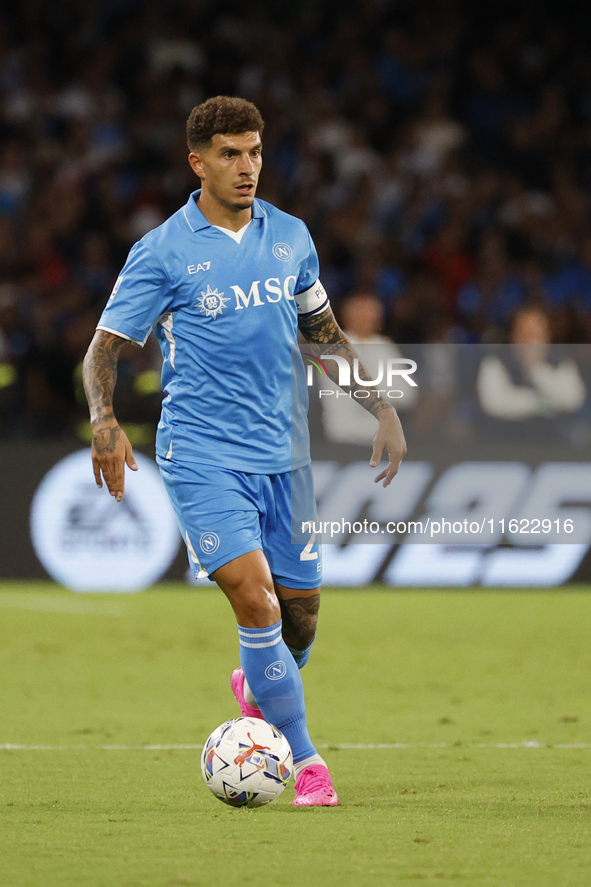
(389, 437)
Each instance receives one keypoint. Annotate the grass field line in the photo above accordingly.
(343, 746)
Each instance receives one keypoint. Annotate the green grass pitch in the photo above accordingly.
(481, 697)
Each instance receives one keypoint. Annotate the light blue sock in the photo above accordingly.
(300, 656)
(276, 684)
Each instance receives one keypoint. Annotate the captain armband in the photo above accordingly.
(312, 301)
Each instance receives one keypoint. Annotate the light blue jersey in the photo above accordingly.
(224, 307)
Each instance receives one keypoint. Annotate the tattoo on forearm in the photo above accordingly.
(323, 331)
(100, 374)
(299, 615)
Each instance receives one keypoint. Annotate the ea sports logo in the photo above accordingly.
(209, 543)
(283, 252)
(276, 670)
(89, 542)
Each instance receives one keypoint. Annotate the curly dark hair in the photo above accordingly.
(222, 114)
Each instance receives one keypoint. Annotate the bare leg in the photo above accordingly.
(299, 611)
(247, 583)
(258, 602)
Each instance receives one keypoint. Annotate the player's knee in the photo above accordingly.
(259, 610)
(304, 635)
(255, 606)
(300, 617)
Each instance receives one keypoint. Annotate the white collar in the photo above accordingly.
(235, 235)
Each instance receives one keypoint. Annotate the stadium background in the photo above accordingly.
(439, 153)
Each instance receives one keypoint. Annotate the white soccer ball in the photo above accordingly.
(246, 762)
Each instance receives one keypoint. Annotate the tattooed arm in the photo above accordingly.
(322, 330)
(111, 449)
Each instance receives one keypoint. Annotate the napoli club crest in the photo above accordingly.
(209, 543)
(212, 303)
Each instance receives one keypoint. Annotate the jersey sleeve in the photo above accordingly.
(310, 296)
(140, 296)
(309, 269)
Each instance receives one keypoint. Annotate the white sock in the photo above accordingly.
(248, 695)
(313, 760)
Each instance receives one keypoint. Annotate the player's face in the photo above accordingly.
(229, 169)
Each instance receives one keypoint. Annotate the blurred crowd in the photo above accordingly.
(440, 153)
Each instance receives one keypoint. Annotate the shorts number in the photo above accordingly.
(307, 553)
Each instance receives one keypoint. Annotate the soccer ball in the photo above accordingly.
(246, 762)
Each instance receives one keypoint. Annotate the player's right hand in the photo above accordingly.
(111, 452)
(389, 437)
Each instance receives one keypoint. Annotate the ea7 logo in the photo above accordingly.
(195, 269)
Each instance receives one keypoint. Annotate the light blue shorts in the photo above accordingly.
(223, 514)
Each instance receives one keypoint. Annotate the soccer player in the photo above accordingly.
(225, 283)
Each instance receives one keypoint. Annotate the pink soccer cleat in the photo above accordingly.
(314, 788)
(237, 684)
